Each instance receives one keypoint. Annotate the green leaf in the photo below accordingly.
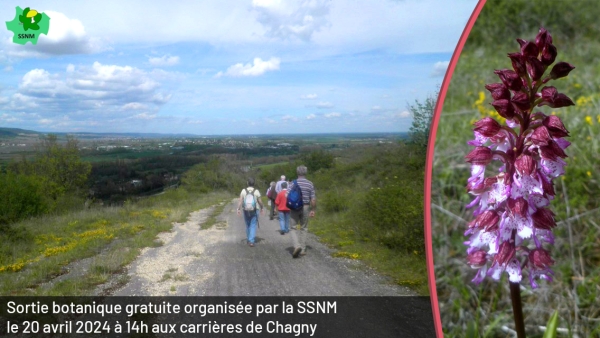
(37, 18)
(472, 330)
(552, 326)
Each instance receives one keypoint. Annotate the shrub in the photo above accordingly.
(22, 197)
(395, 213)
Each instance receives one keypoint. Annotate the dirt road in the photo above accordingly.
(218, 262)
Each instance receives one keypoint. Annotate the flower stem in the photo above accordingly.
(515, 296)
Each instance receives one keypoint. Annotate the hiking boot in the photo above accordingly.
(296, 252)
(251, 245)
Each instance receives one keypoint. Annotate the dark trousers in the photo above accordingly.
(272, 215)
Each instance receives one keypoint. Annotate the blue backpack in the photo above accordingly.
(294, 197)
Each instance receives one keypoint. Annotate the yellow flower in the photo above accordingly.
(598, 118)
(589, 174)
(577, 85)
(588, 120)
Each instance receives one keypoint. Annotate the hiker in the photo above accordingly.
(284, 211)
(272, 195)
(278, 186)
(250, 203)
(300, 217)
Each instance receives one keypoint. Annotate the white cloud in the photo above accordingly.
(65, 36)
(439, 68)
(8, 118)
(165, 60)
(310, 116)
(332, 115)
(134, 106)
(258, 68)
(308, 97)
(324, 105)
(292, 19)
(84, 92)
(144, 116)
(289, 118)
(402, 114)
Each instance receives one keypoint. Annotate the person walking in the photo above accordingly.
(272, 195)
(251, 205)
(284, 211)
(299, 218)
(278, 186)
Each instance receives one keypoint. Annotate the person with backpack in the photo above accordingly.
(302, 202)
(284, 211)
(272, 195)
(251, 205)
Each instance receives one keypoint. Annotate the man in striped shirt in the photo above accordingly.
(300, 217)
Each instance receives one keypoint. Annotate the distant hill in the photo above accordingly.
(14, 132)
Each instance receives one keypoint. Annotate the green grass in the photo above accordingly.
(574, 292)
(41, 248)
(402, 269)
(370, 208)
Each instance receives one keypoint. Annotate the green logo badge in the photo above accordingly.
(27, 25)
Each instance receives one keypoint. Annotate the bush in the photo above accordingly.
(395, 213)
(22, 197)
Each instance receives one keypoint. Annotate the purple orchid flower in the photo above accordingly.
(512, 228)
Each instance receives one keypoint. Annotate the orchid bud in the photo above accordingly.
(518, 63)
(488, 127)
(480, 156)
(543, 219)
(505, 253)
(477, 259)
(525, 165)
(554, 99)
(540, 258)
(521, 101)
(560, 69)
(535, 68)
(555, 126)
(529, 49)
(548, 54)
(486, 220)
(504, 108)
(540, 136)
(518, 206)
(541, 39)
(510, 79)
(498, 90)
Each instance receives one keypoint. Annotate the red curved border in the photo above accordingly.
(429, 167)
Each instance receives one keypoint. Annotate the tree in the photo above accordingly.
(422, 118)
(317, 159)
(58, 166)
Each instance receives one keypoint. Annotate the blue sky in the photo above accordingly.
(227, 67)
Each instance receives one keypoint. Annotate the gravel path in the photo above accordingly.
(218, 262)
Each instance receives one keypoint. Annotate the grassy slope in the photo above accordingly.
(37, 249)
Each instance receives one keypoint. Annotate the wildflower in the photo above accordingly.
(588, 120)
(512, 226)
